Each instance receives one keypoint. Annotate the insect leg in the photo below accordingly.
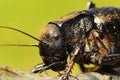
(105, 60)
(111, 58)
(90, 5)
(110, 64)
(41, 67)
(70, 65)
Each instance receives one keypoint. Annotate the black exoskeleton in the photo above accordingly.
(89, 37)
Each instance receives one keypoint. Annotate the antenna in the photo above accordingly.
(22, 33)
(27, 45)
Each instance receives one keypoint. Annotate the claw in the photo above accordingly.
(70, 65)
(65, 76)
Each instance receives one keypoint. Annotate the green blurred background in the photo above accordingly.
(30, 16)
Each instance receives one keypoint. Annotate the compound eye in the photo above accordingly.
(56, 37)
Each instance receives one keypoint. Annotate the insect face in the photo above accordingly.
(55, 50)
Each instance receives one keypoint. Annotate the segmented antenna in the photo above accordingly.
(27, 45)
(22, 33)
